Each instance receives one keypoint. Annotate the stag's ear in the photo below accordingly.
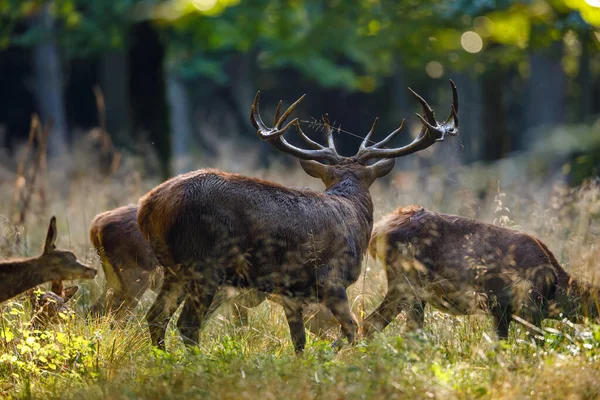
(314, 168)
(70, 292)
(51, 237)
(382, 167)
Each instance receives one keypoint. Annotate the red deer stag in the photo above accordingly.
(19, 275)
(209, 228)
(463, 266)
(130, 269)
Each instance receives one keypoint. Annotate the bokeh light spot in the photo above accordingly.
(434, 69)
(471, 42)
(204, 5)
(593, 3)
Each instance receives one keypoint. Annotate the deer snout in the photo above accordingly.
(80, 271)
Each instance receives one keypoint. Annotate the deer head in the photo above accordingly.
(325, 163)
(61, 265)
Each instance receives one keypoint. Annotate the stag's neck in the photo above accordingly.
(17, 276)
(355, 193)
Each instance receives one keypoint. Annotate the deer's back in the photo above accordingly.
(442, 241)
(116, 234)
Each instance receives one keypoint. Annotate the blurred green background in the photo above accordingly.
(179, 76)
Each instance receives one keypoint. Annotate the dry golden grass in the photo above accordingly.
(453, 357)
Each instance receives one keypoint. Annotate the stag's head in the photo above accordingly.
(325, 163)
(61, 265)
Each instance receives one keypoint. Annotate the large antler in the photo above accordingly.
(274, 135)
(432, 131)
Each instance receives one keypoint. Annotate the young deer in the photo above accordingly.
(17, 276)
(46, 306)
(463, 266)
(209, 228)
(131, 268)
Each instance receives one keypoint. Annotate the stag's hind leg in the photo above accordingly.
(336, 301)
(293, 315)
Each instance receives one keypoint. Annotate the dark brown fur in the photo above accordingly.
(244, 232)
(464, 266)
(130, 269)
(17, 276)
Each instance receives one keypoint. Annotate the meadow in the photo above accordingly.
(452, 357)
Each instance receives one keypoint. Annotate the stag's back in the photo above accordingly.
(208, 213)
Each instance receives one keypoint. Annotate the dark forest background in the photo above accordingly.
(179, 76)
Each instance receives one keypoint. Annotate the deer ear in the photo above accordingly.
(382, 167)
(314, 168)
(51, 237)
(70, 292)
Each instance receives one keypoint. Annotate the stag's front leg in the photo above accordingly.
(168, 300)
(293, 314)
(337, 302)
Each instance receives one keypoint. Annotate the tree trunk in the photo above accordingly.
(49, 84)
(114, 81)
(182, 132)
(584, 80)
(148, 91)
(546, 89)
(495, 138)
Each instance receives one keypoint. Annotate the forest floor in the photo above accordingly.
(452, 357)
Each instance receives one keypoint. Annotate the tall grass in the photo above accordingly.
(452, 357)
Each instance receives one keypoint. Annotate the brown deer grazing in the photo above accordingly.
(131, 268)
(209, 228)
(463, 266)
(17, 276)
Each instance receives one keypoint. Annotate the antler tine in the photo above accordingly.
(287, 112)
(329, 133)
(432, 131)
(427, 110)
(389, 137)
(263, 131)
(274, 135)
(255, 118)
(308, 140)
(365, 142)
(277, 112)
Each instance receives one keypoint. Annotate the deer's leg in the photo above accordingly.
(293, 314)
(168, 300)
(415, 317)
(336, 301)
(502, 317)
(393, 303)
(202, 290)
